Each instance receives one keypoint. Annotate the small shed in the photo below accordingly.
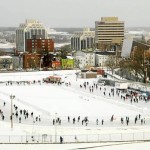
(89, 74)
(123, 86)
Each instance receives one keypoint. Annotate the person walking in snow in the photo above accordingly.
(76, 140)
(97, 121)
(82, 122)
(112, 118)
(74, 120)
(102, 121)
(3, 117)
(127, 121)
(61, 139)
(20, 112)
(78, 118)
(53, 121)
(68, 119)
(135, 120)
(139, 116)
(19, 119)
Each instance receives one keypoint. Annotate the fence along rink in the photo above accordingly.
(44, 138)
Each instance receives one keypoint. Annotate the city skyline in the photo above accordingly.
(77, 13)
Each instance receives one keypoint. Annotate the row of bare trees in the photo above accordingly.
(138, 65)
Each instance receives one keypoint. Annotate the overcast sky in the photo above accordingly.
(74, 13)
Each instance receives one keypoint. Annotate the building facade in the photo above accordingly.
(6, 62)
(102, 57)
(85, 60)
(31, 60)
(83, 39)
(31, 29)
(109, 32)
(39, 45)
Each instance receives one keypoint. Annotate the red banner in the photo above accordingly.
(100, 72)
(56, 64)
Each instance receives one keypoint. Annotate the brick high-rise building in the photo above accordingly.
(39, 46)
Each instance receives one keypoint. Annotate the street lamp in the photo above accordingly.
(53, 66)
(11, 98)
(55, 128)
(41, 60)
(20, 54)
(76, 63)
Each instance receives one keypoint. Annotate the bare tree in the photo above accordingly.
(111, 63)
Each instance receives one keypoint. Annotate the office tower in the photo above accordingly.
(31, 29)
(109, 32)
(83, 39)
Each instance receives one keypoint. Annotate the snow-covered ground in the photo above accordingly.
(93, 146)
(52, 100)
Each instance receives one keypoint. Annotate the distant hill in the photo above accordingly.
(72, 30)
(138, 28)
(7, 29)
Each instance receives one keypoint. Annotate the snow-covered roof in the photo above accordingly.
(5, 57)
(69, 57)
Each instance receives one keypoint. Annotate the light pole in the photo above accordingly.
(53, 66)
(20, 55)
(55, 128)
(76, 63)
(11, 98)
(41, 60)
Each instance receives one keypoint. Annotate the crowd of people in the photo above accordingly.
(24, 114)
(18, 114)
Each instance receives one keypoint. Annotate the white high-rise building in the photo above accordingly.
(31, 29)
(83, 39)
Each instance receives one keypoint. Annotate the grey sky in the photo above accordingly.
(74, 13)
